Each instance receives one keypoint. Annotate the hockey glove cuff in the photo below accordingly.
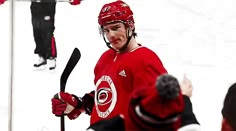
(88, 102)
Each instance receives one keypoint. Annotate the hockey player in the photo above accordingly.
(228, 110)
(159, 108)
(43, 13)
(125, 67)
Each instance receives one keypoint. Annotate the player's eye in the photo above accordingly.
(115, 28)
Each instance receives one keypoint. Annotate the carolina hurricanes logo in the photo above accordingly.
(105, 96)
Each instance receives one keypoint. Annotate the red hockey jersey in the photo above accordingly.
(117, 75)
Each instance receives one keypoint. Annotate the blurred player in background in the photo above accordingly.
(43, 19)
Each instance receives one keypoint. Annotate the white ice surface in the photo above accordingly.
(196, 37)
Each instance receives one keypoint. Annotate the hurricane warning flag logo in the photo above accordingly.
(105, 96)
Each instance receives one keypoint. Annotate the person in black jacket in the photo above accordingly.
(153, 114)
(43, 19)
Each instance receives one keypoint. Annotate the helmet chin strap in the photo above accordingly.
(129, 34)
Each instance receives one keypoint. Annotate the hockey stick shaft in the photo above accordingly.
(74, 58)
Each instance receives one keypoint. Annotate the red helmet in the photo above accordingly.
(117, 11)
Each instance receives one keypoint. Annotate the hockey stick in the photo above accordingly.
(74, 58)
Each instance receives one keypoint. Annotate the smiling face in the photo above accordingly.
(116, 34)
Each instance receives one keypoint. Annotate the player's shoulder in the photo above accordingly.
(146, 52)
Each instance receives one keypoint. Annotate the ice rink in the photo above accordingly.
(196, 37)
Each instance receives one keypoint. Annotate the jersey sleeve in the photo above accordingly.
(148, 69)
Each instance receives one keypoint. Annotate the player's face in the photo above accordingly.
(116, 34)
